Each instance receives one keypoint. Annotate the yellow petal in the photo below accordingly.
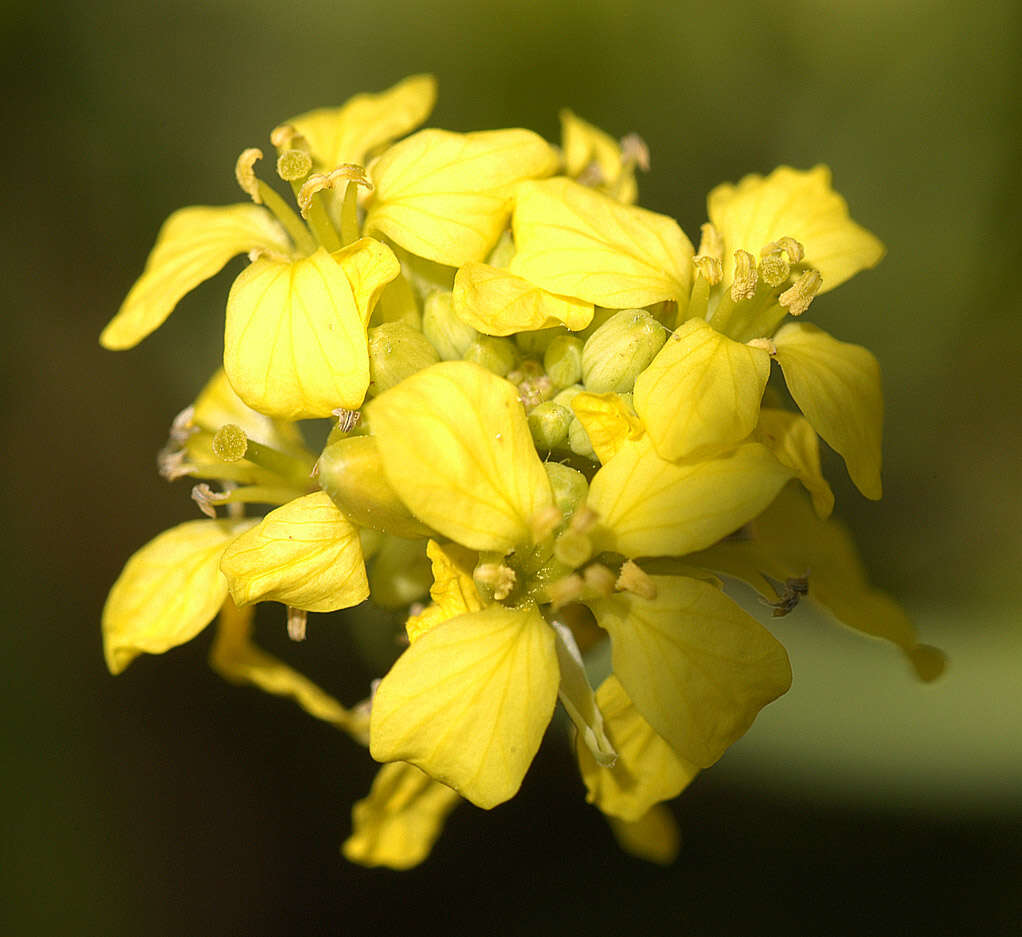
(578, 699)
(305, 554)
(295, 343)
(348, 134)
(397, 824)
(607, 421)
(650, 507)
(584, 145)
(793, 440)
(168, 591)
(469, 702)
(837, 386)
(576, 242)
(447, 196)
(647, 770)
(654, 837)
(193, 245)
(453, 591)
(789, 540)
(497, 302)
(218, 405)
(696, 666)
(238, 660)
(702, 392)
(456, 447)
(797, 204)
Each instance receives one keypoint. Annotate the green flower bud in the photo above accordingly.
(578, 441)
(569, 486)
(565, 396)
(563, 360)
(495, 354)
(548, 423)
(537, 342)
(600, 315)
(445, 331)
(620, 349)
(396, 351)
(351, 472)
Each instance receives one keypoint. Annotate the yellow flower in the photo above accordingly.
(772, 244)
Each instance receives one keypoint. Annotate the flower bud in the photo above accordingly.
(396, 351)
(495, 354)
(548, 423)
(445, 331)
(578, 440)
(351, 473)
(620, 349)
(536, 342)
(569, 486)
(562, 360)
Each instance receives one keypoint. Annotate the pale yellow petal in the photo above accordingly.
(469, 702)
(797, 204)
(295, 343)
(789, 540)
(305, 554)
(497, 302)
(350, 133)
(837, 386)
(696, 666)
(607, 421)
(456, 447)
(398, 823)
(793, 440)
(576, 242)
(654, 837)
(193, 245)
(702, 392)
(589, 150)
(650, 507)
(168, 591)
(647, 769)
(238, 660)
(453, 591)
(447, 196)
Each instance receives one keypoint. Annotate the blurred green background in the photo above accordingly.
(166, 802)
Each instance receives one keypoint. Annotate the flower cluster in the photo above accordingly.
(553, 425)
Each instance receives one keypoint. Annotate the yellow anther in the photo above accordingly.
(245, 174)
(635, 151)
(792, 248)
(297, 619)
(573, 548)
(293, 165)
(599, 579)
(797, 298)
(566, 590)
(173, 464)
(743, 286)
(496, 577)
(765, 343)
(711, 244)
(286, 137)
(634, 580)
(773, 266)
(709, 268)
(584, 519)
(207, 499)
(545, 522)
(347, 172)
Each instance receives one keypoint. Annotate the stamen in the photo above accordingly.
(497, 577)
(245, 174)
(294, 165)
(634, 150)
(565, 591)
(182, 427)
(173, 464)
(591, 176)
(347, 172)
(635, 580)
(599, 579)
(584, 519)
(207, 499)
(797, 299)
(544, 523)
(792, 248)
(765, 343)
(573, 548)
(709, 268)
(297, 619)
(287, 137)
(711, 244)
(743, 286)
(346, 419)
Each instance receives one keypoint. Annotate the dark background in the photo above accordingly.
(167, 802)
